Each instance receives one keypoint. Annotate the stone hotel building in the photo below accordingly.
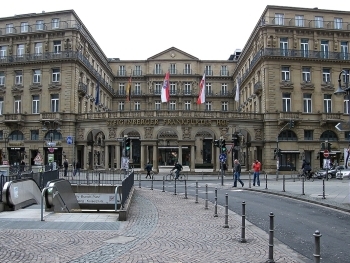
(51, 69)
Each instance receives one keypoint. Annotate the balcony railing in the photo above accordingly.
(172, 71)
(187, 71)
(137, 72)
(82, 87)
(224, 73)
(158, 71)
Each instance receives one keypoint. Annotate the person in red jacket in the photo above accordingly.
(256, 169)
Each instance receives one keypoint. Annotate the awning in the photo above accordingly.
(290, 151)
(332, 152)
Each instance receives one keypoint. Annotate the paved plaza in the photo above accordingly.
(161, 227)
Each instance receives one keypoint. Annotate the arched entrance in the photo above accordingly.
(168, 148)
(96, 149)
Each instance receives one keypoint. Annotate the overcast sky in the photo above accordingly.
(142, 28)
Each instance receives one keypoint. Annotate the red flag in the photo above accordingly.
(165, 89)
(201, 97)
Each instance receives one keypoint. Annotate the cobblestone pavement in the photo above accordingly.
(161, 227)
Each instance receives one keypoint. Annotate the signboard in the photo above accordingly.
(51, 150)
(50, 158)
(51, 144)
(95, 198)
(326, 153)
(38, 160)
(125, 163)
(326, 164)
(5, 162)
(222, 157)
(120, 139)
(69, 139)
(343, 126)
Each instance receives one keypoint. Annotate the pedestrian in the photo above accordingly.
(237, 173)
(77, 168)
(256, 168)
(148, 168)
(65, 167)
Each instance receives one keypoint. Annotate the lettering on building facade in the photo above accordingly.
(168, 122)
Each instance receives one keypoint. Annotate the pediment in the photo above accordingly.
(173, 53)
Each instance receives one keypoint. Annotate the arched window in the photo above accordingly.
(287, 135)
(328, 136)
(55, 135)
(16, 136)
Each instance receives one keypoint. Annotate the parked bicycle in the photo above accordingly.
(172, 175)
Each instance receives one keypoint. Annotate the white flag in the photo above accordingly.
(237, 92)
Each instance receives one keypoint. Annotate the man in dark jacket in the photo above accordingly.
(237, 173)
(148, 168)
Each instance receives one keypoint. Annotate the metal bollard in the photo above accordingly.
(291, 173)
(140, 182)
(216, 203)
(265, 180)
(206, 196)
(175, 187)
(271, 233)
(243, 240)
(196, 193)
(250, 183)
(317, 254)
(284, 183)
(303, 186)
(152, 183)
(226, 211)
(323, 190)
(185, 189)
(163, 184)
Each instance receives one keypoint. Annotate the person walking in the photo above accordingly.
(256, 168)
(65, 166)
(77, 168)
(237, 173)
(148, 168)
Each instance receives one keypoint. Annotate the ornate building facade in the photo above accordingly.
(56, 83)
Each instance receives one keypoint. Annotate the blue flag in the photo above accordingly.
(97, 98)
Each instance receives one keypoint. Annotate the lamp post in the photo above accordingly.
(344, 91)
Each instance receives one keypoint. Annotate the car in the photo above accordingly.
(342, 174)
(331, 172)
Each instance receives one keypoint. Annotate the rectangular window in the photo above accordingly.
(172, 105)
(304, 46)
(39, 25)
(285, 74)
(157, 88)
(327, 103)
(344, 50)
(35, 104)
(137, 88)
(137, 105)
(187, 88)
(187, 69)
(224, 70)
(208, 70)
(307, 103)
(1, 105)
(318, 21)
(122, 89)
(279, 19)
(172, 88)
(18, 77)
(187, 105)
(324, 49)
(284, 46)
(9, 28)
(208, 106)
(326, 75)
(137, 71)
(224, 90)
(306, 74)
(338, 23)
(308, 135)
(36, 76)
(56, 74)
(55, 101)
(38, 48)
(34, 135)
(157, 69)
(345, 75)
(55, 23)
(121, 71)
(157, 105)
(224, 106)
(172, 69)
(208, 89)
(299, 20)
(121, 106)
(286, 102)
(2, 78)
(346, 105)
(20, 50)
(24, 27)
(17, 104)
(3, 51)
(57, 46)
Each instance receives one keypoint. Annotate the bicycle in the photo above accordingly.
(172, 175)
(307, 176)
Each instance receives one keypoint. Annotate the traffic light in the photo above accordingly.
(291, 124)
(127, 146)
(223, 146)
(217, 143)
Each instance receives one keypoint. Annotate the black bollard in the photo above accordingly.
(243, 240)
(216, 203)
(196, 193)
(284, 183)
(303, 186)
(152, 183)
(265, 180)
(175, 187)
(206, 196)
(323, 190)
(250, 183)
(163, 184)
(317, 254)
(140, 182)
(226, 211)
(271, 232)
(185, 189)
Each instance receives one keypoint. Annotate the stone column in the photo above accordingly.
(117, 155)
(155, 158)
(179, 154)
(85, 156)
(106, 157)
(199, 145)
(217, 162)
(143, 160)
(193, 159)
(229, 160)
(112, 156)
